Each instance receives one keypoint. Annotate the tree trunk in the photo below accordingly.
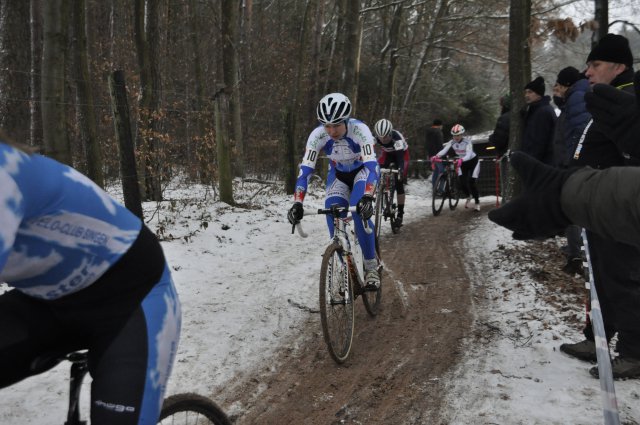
(84, 96)
(291, 115)
(602, 18)
(519, 76)
(221, 113)
(230, 66)
(35, 128)
(14, 57)
(391, 47)
(122, 123)
(146, 15)
(56, 140)
(351, 50)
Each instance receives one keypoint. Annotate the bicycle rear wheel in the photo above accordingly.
(336, 303)
(438, 196)
(191, 409)
(454, 193)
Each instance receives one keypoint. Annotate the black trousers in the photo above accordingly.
(616, 268)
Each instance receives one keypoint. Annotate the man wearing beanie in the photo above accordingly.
(616, 266)
(539, 122)
(568, 95)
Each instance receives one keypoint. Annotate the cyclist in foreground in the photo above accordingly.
(468, 163)
(394, 150)
(353, 172)
(86, 274)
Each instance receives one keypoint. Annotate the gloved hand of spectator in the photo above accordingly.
(295, 213)
(365, 207)
(618, 112)
(537, 212)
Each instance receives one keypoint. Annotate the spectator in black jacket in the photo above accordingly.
(539, 122)
(569, 92)
(500, 136)
(616, 266)
(434, 141)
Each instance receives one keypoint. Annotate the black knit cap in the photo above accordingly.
(612, 48)
(536, 85)
(568, 76)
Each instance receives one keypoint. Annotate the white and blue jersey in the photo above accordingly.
(87, 274)
(353, 151)
(53, 244)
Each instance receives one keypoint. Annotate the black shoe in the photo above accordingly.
(621, 368)
(573, 267)
(583, 350)
(399, 221)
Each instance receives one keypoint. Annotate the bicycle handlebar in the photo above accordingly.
(334, 210)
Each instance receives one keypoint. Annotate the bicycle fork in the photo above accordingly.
(346, 271)
(78, 372)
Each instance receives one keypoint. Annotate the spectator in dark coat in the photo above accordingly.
(500, 136)
(539, 122)
(434, 142)
(616, 265)
(569, 92)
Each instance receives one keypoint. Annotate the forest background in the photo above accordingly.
(143, 91)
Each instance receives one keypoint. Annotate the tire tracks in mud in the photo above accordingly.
(399, 361)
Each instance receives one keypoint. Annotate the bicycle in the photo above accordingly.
(446, 187)
(341, 282)
(178, 409)
(385, 207)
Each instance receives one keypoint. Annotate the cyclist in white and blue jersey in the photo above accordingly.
(353, 172)
(84, 273)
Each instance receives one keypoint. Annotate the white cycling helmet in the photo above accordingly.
(457, 130)
(383, 128)
(334, 108)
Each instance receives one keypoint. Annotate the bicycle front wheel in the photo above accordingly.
(439, 194)
(336, 303)
(191, 409)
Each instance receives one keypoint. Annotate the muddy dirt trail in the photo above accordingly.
(395, 370)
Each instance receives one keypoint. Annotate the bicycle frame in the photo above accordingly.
(385, 205)
(445, 187)
(79, 369)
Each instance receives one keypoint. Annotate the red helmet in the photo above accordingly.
(457, 130)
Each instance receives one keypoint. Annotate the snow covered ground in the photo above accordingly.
(240, 278)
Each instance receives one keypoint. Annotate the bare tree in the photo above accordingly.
(14, 74)
(519, 75)
(54, 120)
(84, 95)
(230, 66)
(146, 29)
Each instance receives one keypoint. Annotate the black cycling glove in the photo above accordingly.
(365, 207)
(618, 112)
(295, 213)
(536, 213)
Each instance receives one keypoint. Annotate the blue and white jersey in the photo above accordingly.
(355, 149)
(53, 244)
